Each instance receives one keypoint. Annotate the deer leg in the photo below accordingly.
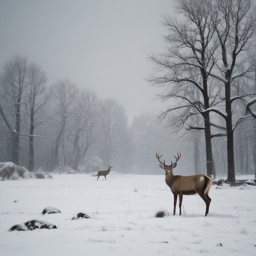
(175, 201)
(105, 177)
(180, 200)
(206, 200)
(209, 201)
(98, 177)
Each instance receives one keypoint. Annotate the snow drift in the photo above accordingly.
(11, 171)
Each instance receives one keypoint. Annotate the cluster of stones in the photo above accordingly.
(39, 224)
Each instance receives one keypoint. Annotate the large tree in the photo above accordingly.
(35, 103)
(64, 94)
(234, 22)
(85, 127)
(190, 48)
(13, 85)
(211, 41)
(114, 126)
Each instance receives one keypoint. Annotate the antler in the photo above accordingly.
(158, 157)
(178, 157)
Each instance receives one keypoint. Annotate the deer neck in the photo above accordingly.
(169, 177)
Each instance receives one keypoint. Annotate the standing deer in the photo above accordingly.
(103, 173)
(186, 185)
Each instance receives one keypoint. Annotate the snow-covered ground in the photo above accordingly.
(122, 220)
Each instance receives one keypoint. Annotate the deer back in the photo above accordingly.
(187, 184)
(105, 172)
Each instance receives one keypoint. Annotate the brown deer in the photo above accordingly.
(186, 185)
(103, 173)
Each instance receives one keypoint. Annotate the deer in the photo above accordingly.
(103, 173)
(186, 185)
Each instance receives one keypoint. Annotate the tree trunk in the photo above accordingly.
(197, 154)
(16, 135)
(31, 142)
(76, 150)
(31, 154)
(57, 145)
(246, 151)
(207, 125)
(15, 148)
(240, 152)
(56, 151)
(230, 133)
(63, 150)
(208, 144)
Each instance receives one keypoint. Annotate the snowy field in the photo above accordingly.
(122, 211)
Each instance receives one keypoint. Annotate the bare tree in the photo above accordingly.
(114, 124)
(212, 42)
(13, 86)
(64, 95)
(234, 23)
(36, 100)
(85, 128)
(190, 47)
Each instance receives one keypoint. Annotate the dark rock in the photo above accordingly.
(161, 214)
(51, 210)
(32, 225)
(81, 215)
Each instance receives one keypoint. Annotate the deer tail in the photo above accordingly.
(208, 185)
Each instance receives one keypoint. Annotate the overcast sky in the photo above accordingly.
(98, 44)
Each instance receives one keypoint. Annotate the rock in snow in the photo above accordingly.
(51, 210)
(33, 224)
(161, 214)
(81, 215)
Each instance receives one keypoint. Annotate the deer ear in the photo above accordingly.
(161, 166)
(174, 165)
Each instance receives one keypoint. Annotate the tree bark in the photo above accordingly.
(197, 154)
(57, 145)
(230, 133)
(31, 142)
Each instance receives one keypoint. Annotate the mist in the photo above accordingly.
(91, 65)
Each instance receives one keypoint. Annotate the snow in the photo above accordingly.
(122, 222)
(10, 171)
(223, 114)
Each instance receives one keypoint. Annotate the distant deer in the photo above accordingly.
(186, 185)
(103, 173)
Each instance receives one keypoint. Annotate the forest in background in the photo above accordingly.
(207, 73)
(61, 125)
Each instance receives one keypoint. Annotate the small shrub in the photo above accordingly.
(161, 214)
(20, 171)
(7, 172)
(39, 176)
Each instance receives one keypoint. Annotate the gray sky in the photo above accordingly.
(97, 44)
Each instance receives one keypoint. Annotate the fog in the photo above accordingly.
(100, 45)
(99, 89)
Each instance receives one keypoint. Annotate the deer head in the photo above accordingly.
(168, 168)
